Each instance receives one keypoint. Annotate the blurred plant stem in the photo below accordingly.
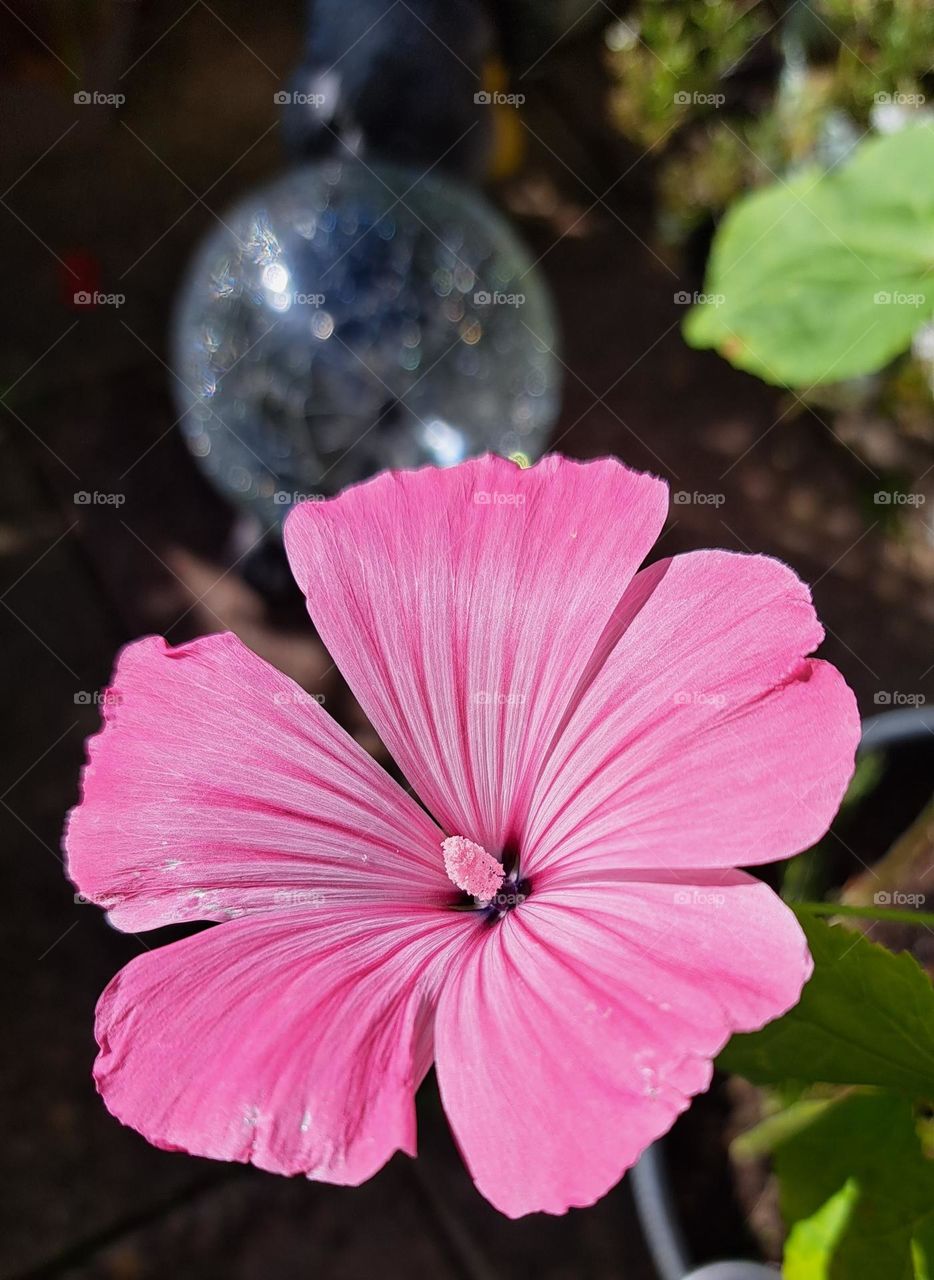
(895, 915)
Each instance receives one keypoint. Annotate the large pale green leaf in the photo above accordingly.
(829, 275)
(866, 1017)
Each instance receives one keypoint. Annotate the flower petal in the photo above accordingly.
(218, 786)
(581, 1027)
(468, 607)
(292, 1040)
(707, 739)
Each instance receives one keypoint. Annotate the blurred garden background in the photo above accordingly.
(129, 127)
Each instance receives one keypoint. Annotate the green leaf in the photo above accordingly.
(829, 275)
(812, 1241)
(857, 1193)
(922, 1249)
(866, 1017)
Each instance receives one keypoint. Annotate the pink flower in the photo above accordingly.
(559, 929)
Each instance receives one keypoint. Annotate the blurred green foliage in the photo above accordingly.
(795, 81)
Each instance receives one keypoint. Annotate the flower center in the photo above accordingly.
(494, 887)
(471, 868)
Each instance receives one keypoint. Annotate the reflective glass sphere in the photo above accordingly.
(349, 318)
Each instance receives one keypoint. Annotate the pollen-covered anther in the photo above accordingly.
(471, 868)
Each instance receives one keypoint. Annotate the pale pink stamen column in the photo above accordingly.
(471, 868)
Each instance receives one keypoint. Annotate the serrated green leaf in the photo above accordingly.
(866, 1017)
(829, 275)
